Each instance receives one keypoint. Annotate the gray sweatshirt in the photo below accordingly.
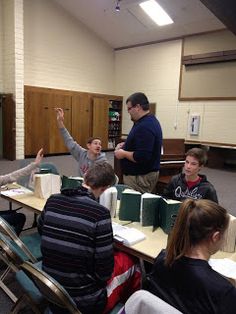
(13, 176)
(79, 153)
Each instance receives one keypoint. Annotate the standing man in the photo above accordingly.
(141, 152)
(84, 157)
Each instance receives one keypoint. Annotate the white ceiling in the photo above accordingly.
(131, 26)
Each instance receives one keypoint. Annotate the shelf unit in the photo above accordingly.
(114, 118)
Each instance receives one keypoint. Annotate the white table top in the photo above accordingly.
(147, 249)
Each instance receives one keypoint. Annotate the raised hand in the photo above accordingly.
(39, 157)
(60, 117)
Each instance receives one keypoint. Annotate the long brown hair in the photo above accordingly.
(196, 221)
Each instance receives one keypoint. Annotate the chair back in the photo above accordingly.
(48, 167)
(7, 230)
(50, 288)
(12, 255)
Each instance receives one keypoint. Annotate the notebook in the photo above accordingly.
(126, 235)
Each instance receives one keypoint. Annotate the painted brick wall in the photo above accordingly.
(19, 77)
(1, 47)
(155, 70)
(13, 65)
(61, 52)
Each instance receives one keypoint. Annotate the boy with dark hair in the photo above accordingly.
(77, 245)
(191, 184)
(84, 157)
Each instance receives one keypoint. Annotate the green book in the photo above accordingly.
(149, 210)
(130, 205)
(71, 182)
(168, 211)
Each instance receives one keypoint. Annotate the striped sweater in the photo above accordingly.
(77, 247)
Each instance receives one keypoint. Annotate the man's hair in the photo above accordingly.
(199, 154)
(91, 139)
(197, 220)
(100, 174)
(139, 99)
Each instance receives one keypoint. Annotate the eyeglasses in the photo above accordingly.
(130, 107)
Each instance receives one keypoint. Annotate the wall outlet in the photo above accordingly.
(194, 124)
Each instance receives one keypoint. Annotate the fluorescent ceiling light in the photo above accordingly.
(155, 11)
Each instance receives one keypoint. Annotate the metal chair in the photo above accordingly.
(13, 257)
(48, 167)
(50, 288)
(29, 244)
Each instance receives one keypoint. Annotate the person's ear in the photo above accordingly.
(216, 236)
(88, 145)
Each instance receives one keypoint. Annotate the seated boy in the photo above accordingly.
(191, 184)
(77, 245)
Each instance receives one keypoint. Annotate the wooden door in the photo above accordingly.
(56, 143)
(9, 127)
(81, 118)
(101, 119)
(153, 108)
(36, 122)
(40, 121)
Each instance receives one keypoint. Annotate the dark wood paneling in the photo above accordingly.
(81, 118)
(9, 127)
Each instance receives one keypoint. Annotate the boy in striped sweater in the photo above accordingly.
(77, 245)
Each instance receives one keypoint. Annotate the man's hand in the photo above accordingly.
(60, 117)
(120, 145)
(119, 153)
(39, 157)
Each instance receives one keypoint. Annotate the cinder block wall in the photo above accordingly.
(13, 63)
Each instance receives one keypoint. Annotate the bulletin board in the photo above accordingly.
(208, 80)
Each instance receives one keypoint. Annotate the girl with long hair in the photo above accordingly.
(181, 274)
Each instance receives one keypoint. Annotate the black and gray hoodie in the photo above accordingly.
(178, 189)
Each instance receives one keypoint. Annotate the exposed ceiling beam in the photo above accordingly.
(224, 10)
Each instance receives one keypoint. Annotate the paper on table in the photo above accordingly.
(126, 235)
(13, 192)
(224, 266)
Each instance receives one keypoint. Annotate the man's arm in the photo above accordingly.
(74, 148)
(121, 154)
(144, 143)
